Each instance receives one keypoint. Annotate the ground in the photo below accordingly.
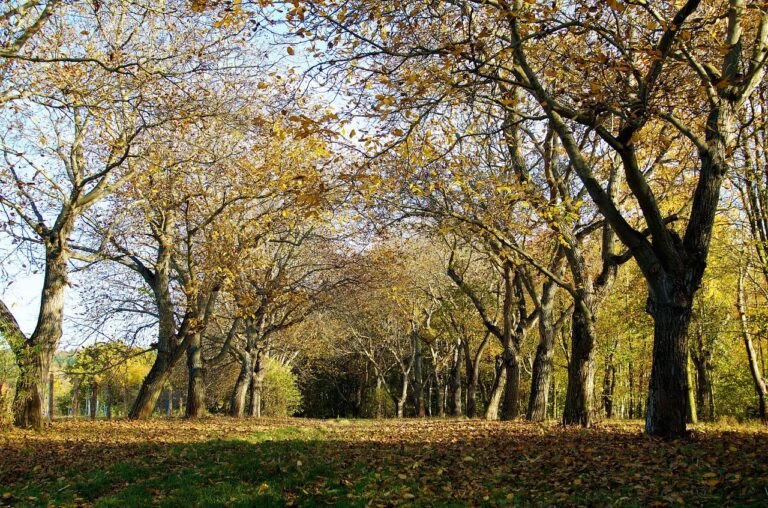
(269, 462)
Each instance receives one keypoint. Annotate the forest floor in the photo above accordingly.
(269, 462)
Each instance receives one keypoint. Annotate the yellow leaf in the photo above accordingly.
(290, 50)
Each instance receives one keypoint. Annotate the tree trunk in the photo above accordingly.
(693, 416)
(456, 382)
(108, 403)
(75, 397)
(473, 373)
(609, 385)
(754, 368)
(196, 384)
(581, 371)
(418, 380)
(510, 408)
(257, 381)
(500, 380)
(34, 357)
(667, 406)
(152, 386)
(169, 405)
(542, 366)
(440, 397)
(702, 363)
(94, 399)
(240, 392)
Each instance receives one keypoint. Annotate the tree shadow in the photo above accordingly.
(448, 463)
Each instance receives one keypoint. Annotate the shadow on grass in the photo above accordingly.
(500, 466)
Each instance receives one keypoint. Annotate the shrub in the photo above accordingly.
(280, 394)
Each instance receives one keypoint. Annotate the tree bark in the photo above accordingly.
(196, 384)
(152, 386)
(667, 406)
(581, 371)
(240, 392)
(499, 382)
(108, 403)
(542, 363)
(440, 388)
(456, 382)
(693, 415)
(418, 381)
(94, 399)
(609, 385)
(75, 397)
(510, 408)
(754, 367)
(257, 382)
(35, 355)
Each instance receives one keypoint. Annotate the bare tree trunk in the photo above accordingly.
(94, 399)
(257, 381)
(152, 386)
(418, 381)
(499, 381)
(757, 376)
(702, 363)
(240, 392)
(196, 385)
(440, 396)
(581, 371)
(542, 364)
(108, 403)
(456, 382)
(35, 355)
(667, 407)
(510, 408)
(75, 397)
(609, 384)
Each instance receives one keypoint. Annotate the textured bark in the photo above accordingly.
(499, 381)
(152, 386)
(542, 363)
(75, 397)
(609, 385)
(441, 390)
(35, 355)
(667, 407)
(761, 388)
(455, 404)
(196, 374)
(94, 399)
(702, 362)
(578, 408)
(418, 380)
(472, 366)
(510, 408)
(240, 392)
(257, 383)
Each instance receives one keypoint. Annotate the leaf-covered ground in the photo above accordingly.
(222, 461)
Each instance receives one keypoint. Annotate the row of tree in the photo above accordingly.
(528, 155)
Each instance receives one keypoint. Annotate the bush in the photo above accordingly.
(380, 402)
(280, 394)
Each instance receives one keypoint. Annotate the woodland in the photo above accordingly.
(430, 252)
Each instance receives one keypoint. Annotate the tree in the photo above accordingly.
(539, 48)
